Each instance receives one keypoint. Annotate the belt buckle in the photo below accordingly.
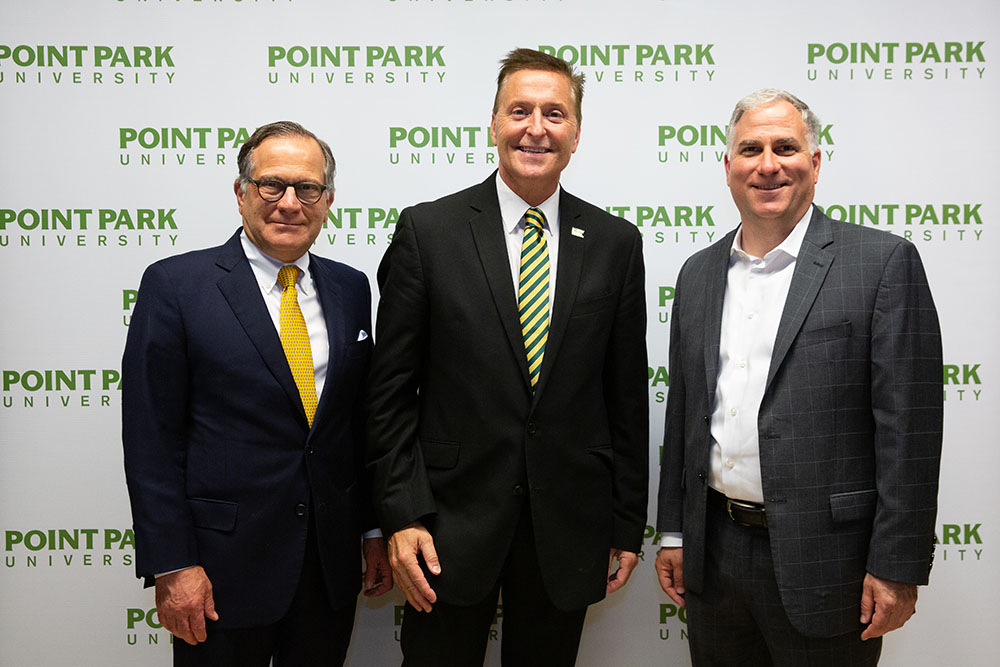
(740, 505)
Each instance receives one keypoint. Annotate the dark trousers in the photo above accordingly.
(310, 634)
(534, 632)
(738, 618)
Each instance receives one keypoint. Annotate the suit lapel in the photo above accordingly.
(488, 233)
(715, 283)
(572, 249)
(811, 267)
(239, 287)
(331, 299)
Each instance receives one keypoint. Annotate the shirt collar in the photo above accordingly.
(265, 268)
(791, 246)
(512, 208)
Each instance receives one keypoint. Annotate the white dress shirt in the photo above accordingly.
(756, 289)
(512, 210)
(265, 270)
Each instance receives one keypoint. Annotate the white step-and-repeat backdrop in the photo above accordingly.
(121, 121)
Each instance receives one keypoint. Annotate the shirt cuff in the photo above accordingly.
(375, 532)
(670, 540)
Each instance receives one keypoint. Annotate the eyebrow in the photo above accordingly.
(757, 142)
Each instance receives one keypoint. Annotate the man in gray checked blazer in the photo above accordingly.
(798, 488)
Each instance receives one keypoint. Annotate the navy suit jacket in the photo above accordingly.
(222, 468)
(456, 438)
(849, 427)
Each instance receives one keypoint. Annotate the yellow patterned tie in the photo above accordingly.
(533, 291)
(295, 340)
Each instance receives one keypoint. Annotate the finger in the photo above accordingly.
(420, 587)
(877, 628)
(369, 578)
(197, 621)
(430, 557)
(679, 578)
(210, 607)
(183, 630)
(867, 604)
(409, 588)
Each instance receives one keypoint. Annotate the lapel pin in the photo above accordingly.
(576, 231)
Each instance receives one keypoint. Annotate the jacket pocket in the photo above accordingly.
(214, 514)
(439, 453)
(853, 505)
(593, 305)
(824, 334)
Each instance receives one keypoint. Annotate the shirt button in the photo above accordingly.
(750, 316)
(743, 363)
(733, 412)
(730, 463)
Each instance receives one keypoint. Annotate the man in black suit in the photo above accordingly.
(508, 426)
(803, 432)
(243, 426)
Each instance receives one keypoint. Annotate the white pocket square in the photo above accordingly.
(362, 335)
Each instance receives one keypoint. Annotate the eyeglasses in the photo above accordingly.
(273, 189)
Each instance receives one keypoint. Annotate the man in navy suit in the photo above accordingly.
(244, 459)
(504, 464)
(803, 432)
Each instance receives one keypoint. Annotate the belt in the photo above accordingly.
(742, 512)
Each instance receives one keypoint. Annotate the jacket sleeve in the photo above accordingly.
(400, 486)
(907, 404)
(627, 402)
(154, 409)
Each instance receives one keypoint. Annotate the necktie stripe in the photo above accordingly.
(533, 291)
(295, 341)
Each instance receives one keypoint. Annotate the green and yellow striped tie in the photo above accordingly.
(533, 291)
(295, 340)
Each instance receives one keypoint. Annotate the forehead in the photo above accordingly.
(289, 153)
(537, 85)
(775, 120)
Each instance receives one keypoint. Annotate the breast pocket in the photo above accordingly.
(591, 306)
(824, 334)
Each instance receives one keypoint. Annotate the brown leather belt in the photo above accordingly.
(743, 512)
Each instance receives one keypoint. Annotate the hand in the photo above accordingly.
(886, 605)
(627, 561)
(404, 546)
(378, 574)
(184, 601)
(670, 571)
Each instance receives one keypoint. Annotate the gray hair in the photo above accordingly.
(282, 128)
(765, 96)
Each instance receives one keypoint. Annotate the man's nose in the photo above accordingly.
(535, 125)
(768, 161)
(289, 199)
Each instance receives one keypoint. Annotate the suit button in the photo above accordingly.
(518, 490)
(300, 509)
(708, 420)
(532, 428)
(309, 450)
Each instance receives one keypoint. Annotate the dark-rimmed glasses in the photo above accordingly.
(273, 189)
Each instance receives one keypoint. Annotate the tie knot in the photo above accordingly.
(288, 276)
(534, 218)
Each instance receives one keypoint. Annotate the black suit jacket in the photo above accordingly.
(456, 437)
(849, 425)
(222, 467)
